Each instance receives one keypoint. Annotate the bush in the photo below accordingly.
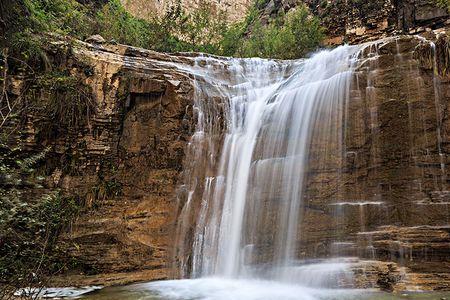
(64, 100)
(201, 30)
(63, 16)
(443, 4)
(114, 22)
(30, 221)
(288, 37)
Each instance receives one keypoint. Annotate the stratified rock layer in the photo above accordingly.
(387, 197)
(356, 21)
(385, 200)
(123, 166)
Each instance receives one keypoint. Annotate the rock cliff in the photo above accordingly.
(390, 201)
(387, 199)
(236, 10)
(124, 163)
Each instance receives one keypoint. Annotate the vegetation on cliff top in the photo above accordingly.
(289, 35)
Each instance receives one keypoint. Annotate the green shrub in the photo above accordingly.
(201, 30)
(114, 22)
(64, 99)
(30, 220)
(290, 36)
(62, 16)
(232, 39)
(443, 4)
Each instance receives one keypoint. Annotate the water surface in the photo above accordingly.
(231, 289)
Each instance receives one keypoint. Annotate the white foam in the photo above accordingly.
(215, 288)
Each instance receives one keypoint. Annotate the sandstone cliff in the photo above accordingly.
(389, 194)
(123, 165)
(392, 197)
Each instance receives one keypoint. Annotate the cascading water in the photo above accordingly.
(246, 221)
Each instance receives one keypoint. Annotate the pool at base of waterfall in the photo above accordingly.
(242, 289)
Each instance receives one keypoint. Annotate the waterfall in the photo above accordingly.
(256, 123)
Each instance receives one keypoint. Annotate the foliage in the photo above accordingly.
(63, 99)
(114, 22)
(177, 30)
(289, 36)
(67, 17)
(30, 221)
(443, 4)
(107, 189)
(62, 16)
(201, 30)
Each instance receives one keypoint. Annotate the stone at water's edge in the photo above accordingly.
(143, 122)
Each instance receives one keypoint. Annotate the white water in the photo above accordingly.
(232, 289)
(246, 219)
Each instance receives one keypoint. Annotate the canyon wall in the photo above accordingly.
(123, 165)
(385, 200)
(355, 21)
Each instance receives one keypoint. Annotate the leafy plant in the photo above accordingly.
(30, 221)
(443, 4)
(114, 22)
(202, 29)
(64, 99)
(289, 36)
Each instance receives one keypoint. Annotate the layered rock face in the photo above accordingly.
(380, 195)
(386, 198)
(356, 21)
(124, 164)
